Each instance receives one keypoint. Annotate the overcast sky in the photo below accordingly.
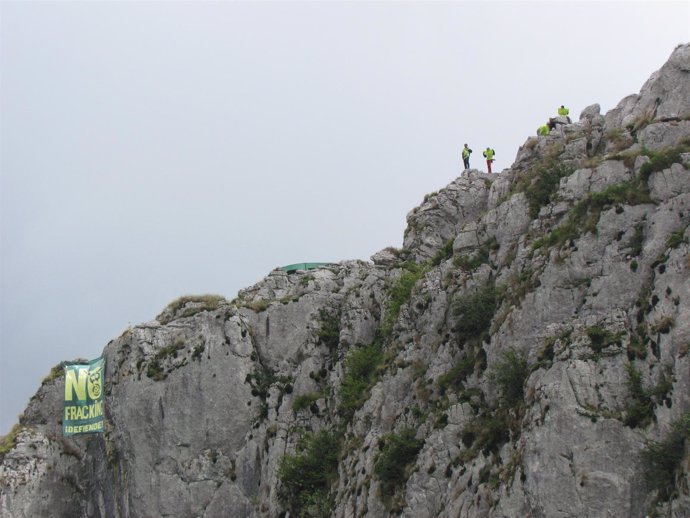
(155, 149)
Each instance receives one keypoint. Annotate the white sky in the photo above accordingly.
(155, 149)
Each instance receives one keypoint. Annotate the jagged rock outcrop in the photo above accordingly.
(527, 353)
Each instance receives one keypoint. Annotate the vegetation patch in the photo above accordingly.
(7, 442)
(470, 262)
(486, 433)
(664, 325)
(398, 451)
(619, 138)
(307, 475)
(307, 401)
(261, 380)
(155, 369)
(636, 345)
(198, 303)
(601, 338)
(305, 280)
(473, 313)
(361, 369)
(520, 284)
(493, 427)
(510, 372)
(640, 408)
(400, 292)
(198, 351)
(636, 241)
(676, 239)
(660, 160)
(662, 460)
(257, 306)
(456, 376)
(54, 373)
(584, 216)
(329, 331)
(541, 183)
(444, 253)
(545, 355)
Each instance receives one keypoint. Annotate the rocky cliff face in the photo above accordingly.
(526, 353)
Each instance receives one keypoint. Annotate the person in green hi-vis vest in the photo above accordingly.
(489, 155)
(466, 152)
(564, 112)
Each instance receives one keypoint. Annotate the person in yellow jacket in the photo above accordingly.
(489, 155)
(564, 112)
(543, 131)
(466, 152)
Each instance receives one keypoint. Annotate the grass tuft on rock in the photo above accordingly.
(307, 475)
(398, 451)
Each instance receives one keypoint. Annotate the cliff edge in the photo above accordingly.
(526, 353)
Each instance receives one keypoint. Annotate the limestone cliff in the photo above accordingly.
(526, 353)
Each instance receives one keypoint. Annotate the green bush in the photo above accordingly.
(518, 286)
(640, 409)
(307, 475)
(660, 160)
(155, 370)
(261, 380)
(492, 426)
(472, 262)
(400, 292)
(198, 351)
(487, 432)
(329, 332)
(636, 241)
(601, 338)
(457, 375)
(662, 460)
(397, 452)
(361, 367)
(510, 373)
(676, 239)
(444, 253)
(543, 184)
(306, 400)
(481, 256)
(473, 313)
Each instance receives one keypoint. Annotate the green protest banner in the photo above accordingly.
(83, 397)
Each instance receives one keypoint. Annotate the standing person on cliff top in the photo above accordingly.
(466, 152)
(489, 155)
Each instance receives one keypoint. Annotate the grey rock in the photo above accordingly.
(202, 402)
(590, 113)
(661, 135)
(665, 95)
(438, 219)
(582, 181)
